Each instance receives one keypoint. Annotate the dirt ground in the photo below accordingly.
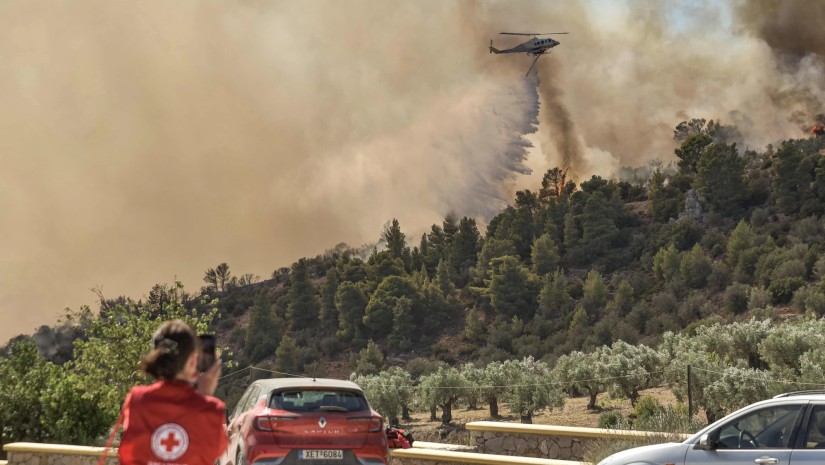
(574, 413)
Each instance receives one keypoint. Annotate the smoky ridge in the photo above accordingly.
(157, 139)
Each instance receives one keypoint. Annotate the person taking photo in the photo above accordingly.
(175, 420)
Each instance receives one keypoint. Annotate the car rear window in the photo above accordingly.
(314, 400)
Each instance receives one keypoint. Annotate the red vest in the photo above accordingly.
(170, 423)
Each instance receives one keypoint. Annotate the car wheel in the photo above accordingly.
(240, 459)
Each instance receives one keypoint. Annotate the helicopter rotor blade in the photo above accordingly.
(530, 33)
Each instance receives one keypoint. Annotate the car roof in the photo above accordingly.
(307, 383)
(817, 394)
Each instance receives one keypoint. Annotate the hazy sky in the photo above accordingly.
(144, 141)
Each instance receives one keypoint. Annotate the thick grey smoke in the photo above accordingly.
(793, 30)
(143, 141)
(631, 70)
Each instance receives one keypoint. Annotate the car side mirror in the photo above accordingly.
(705, 443)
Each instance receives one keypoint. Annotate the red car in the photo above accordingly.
(291, 421)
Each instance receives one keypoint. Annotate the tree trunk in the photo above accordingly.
(405, 413)
(446, 413)
(711, 415)
(592, 404)
(527, 419)
(493, 408)
(433, 413)
(634, 396)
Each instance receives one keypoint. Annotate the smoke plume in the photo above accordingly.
(146, 141)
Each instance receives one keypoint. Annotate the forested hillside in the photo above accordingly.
(721, 236)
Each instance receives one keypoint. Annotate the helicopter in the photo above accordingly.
(535, 46)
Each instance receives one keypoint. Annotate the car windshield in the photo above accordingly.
(314, 400)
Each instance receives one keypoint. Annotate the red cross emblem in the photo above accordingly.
(170, 442)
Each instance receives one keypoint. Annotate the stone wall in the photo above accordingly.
(22, 453)
(444, 457)
(530, 445)
(546, 441)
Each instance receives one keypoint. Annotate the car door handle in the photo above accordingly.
(766, 460)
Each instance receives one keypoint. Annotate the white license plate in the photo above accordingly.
(322, 454)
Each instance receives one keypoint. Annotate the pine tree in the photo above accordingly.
(396, 240)
(545, 255)
(513, 289)
(379, 313)
(464, 250)
(474, 327)
(691, 151)
(403, 323)
(351, 302)
(695, 268)
(666, 264)
(492, 248)
(264, 331)
(664, 200)
(720, 178)
(443, 277)
(304, 307)
(287, 357)
(595, 295)
(370, 360)
(572, 234)
(598, 226)
(554, 301)
(329, 313)
(623, 300)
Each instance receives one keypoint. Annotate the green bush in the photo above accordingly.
(758, 298)
(646, 407)
(612, 420)
(782, 290)
(669, 420)
(790, 269)
(809, 299)
(736, 298)
(719, 277)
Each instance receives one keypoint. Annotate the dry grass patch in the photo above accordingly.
(574, 413)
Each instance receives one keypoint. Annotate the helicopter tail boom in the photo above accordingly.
(493, 49)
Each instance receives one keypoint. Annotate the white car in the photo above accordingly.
(788, 429)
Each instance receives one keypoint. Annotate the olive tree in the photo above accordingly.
(442, 388)
(679, 351)
(496, 382)
(631, 369)
(531, 388)
(581, 373)
(388, 392)
(736, 387)
(784, 346)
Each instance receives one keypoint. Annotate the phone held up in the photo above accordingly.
(206, 357)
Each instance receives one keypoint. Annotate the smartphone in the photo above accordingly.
(206, 358)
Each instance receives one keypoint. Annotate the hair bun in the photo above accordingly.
(167, 346)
